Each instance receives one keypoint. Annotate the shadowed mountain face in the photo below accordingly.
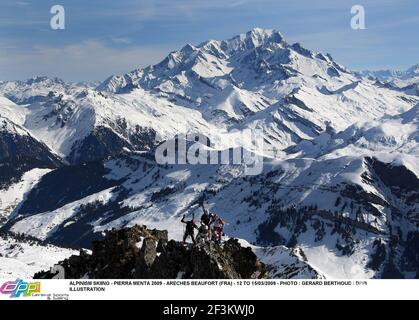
(340, 175)
(20, 152)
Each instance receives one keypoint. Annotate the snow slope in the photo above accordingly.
(22, 259)
(12, 196)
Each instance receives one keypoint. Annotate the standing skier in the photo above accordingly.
(190, 229)
(207, 219)
(218, 231)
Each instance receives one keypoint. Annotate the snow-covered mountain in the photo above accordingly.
(341, 158)
(255, 80)
(32, 90)
(20, 151)
(406, 80)
(23, 158)
(258, 80)
(384, 75)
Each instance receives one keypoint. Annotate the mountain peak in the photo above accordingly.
(261, 37)
(255, 38)
(44, 79)
(413, 70)
(265, 35)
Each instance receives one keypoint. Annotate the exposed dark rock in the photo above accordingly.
(379, 256)
(402, 182)
(162, 193)
(297, 102)
(139, 253)
(410, 257)
(361, 197)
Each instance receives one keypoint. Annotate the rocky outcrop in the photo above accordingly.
(139, 253)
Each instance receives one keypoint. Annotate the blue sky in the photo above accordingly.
(104, 37)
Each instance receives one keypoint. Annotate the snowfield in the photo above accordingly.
(11, 197)
(22, 259)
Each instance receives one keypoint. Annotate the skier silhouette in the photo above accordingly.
(190, 229)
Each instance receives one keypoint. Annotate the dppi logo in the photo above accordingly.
(19, 287)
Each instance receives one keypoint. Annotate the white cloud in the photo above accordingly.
(152, 9)
(89, 60)
(121, 40)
